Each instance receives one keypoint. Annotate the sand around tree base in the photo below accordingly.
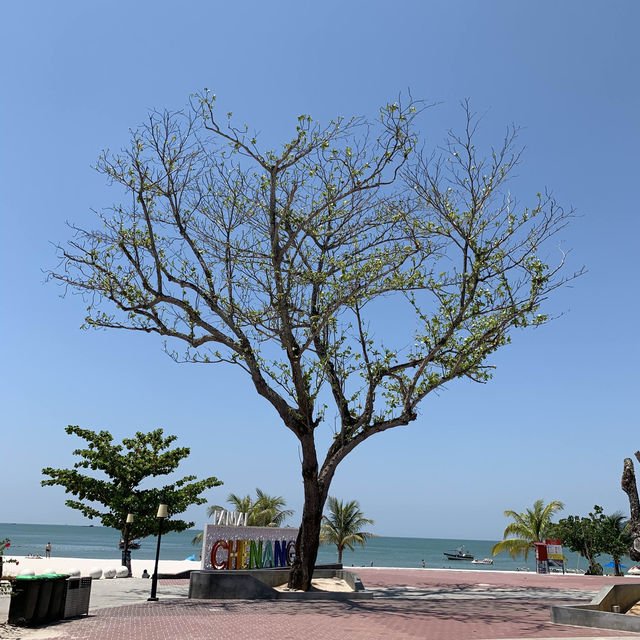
(635, 610)
(321, 584)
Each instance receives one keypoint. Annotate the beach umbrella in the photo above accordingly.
(613, 564)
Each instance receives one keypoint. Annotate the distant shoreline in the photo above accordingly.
(197, 530)
(100, 544)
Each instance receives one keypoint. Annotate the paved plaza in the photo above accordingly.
(407, 603)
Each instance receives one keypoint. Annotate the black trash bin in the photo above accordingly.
(22, 608)
(56, 605)
(44, 599)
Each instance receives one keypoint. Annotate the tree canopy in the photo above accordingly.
(121, 469)
(278, 262)
(595, 534)
(528, 527)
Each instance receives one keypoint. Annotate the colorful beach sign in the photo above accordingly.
(232, 548)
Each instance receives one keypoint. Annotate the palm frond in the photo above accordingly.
(514, 546)
(197, 539)
(527, 527)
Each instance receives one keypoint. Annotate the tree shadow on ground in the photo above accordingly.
(529, 617)
(478, 592)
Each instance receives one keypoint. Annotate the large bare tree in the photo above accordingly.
(284, 262)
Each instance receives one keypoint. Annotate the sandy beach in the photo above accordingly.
(85, 565)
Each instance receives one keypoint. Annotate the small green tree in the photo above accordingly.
(527, 527)
(343, 526)
(125, 467)
(579, 534)
(598, 533)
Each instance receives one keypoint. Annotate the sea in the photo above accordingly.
(102, 542)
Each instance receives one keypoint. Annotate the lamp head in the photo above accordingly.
(129, 518)
(162, 511)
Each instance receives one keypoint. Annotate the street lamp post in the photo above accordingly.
(126, 554)
(161, 515)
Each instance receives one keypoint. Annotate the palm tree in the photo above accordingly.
(268, 511)
(343, 525)
(528, 527)
(265, 511)
(616, 538)
(241, 504)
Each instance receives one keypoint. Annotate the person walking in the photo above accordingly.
(47, 550)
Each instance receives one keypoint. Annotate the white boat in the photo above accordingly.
(484, 561)
(458, 554)
(634, 571)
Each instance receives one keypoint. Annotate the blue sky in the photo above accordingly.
(559, 416)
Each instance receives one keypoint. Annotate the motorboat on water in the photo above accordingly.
(483, 561)
(133, 544)
(458, 554)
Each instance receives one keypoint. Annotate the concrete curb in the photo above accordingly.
(598, 613)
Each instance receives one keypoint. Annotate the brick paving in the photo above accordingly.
(451, 605)
(381, 577)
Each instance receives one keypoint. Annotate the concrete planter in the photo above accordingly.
(259, 584)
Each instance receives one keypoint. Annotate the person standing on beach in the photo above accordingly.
(47, 550)
(423, 564)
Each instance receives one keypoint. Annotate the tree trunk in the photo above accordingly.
(595, 569)
(339, 555)
(630, 488)
(126, 552)
(309, 533)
